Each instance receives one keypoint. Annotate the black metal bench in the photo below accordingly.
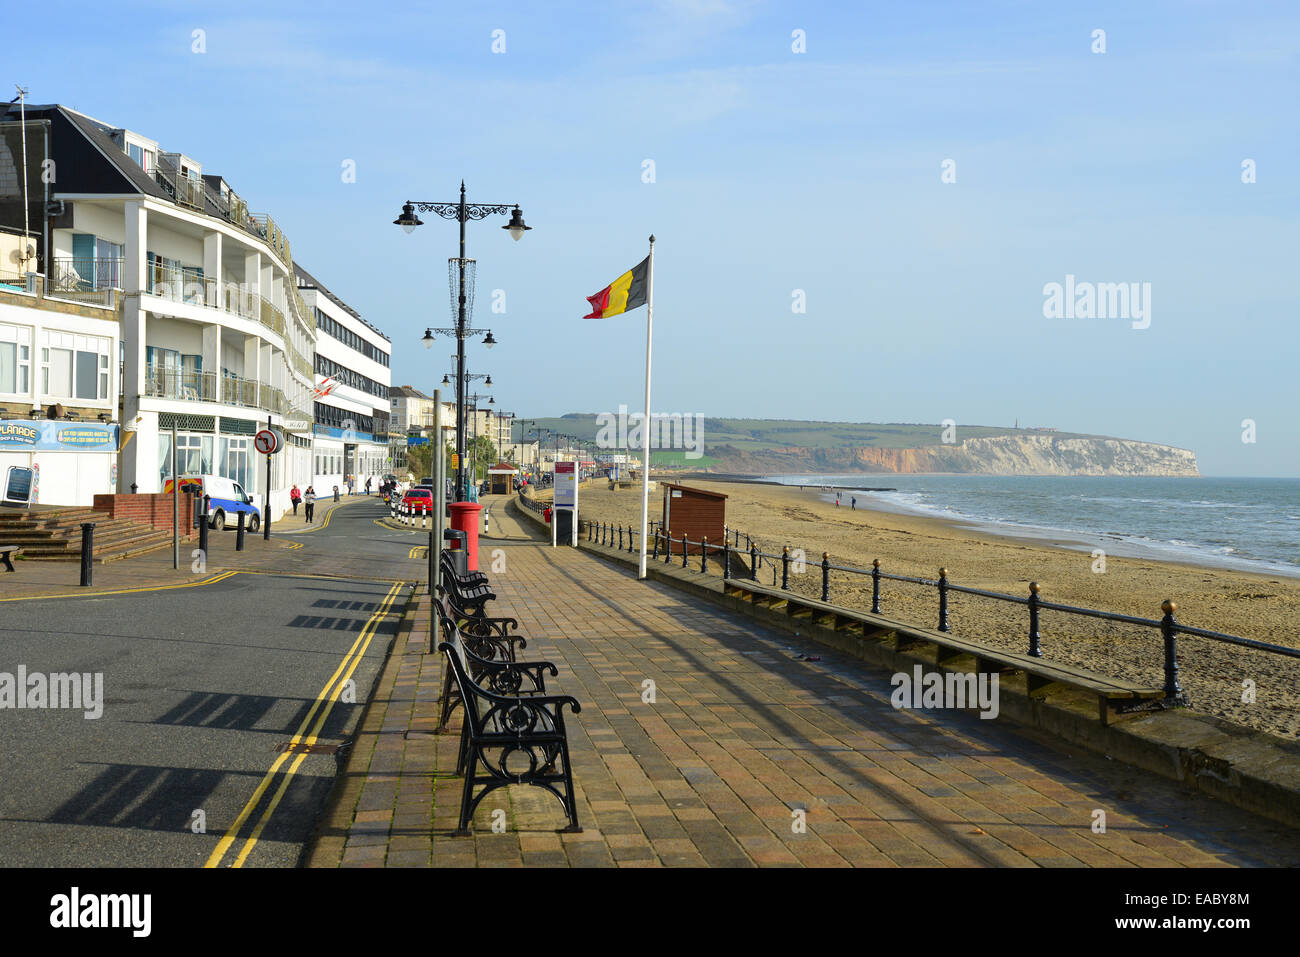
(8, 553)
(491, 648)
(509, 738)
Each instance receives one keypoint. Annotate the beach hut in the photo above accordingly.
(694, 513)
(501, 477)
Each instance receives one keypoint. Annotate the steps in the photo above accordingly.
(53, 534)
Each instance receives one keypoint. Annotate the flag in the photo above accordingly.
(626, 292)
(326, 387)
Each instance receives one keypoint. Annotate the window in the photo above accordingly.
(15, 360)
(142, 157)
(234, 461)
(71, 366)
(193, 455)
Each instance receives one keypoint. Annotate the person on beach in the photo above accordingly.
(853, 504)
(295, 497)
(309, 503)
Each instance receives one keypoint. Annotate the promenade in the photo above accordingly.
(748, 734)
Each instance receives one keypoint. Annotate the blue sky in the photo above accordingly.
(774, 172)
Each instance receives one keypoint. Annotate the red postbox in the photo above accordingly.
(464, 517)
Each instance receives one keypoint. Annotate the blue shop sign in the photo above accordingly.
(37, 435)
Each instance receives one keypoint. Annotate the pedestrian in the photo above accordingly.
(309, 503)
(854, 505)
(369, 479)
(295, 497)
(336, 493)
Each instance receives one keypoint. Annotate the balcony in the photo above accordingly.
(183, 190)
(207, 387)
(85, 280)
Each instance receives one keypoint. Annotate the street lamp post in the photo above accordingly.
(462, 212)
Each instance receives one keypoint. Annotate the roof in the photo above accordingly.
(502, 467)
(307, 281)
(693, 491)
(406, 392)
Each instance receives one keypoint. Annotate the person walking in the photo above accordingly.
(309, 503)
(854, 504)
(369, 479)
(295, 497)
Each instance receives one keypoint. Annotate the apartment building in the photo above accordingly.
(415, 418)
(351, 410)
(215, 340)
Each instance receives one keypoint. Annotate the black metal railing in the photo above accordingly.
(707, 557)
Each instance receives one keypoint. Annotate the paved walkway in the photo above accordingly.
(741, 743)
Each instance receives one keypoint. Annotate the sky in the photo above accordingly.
(914, 175)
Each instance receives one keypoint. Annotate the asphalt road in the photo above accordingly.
(203, 689)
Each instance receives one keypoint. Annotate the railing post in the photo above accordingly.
(683, 549)
(620, 538)
(1169, 628)
(239, 534)
(875, 586)
(826, 576)
(631, 539)
(1035, 651)
(655, 556)
(87, 553)
(943, 599)
(704, 553)
(726, 559)
(785, 568)
(753, 560)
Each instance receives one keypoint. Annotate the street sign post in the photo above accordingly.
(268, 441)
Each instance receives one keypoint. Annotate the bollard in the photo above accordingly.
(943, 599)
(826, 576)
(683, 549)
(704, 553)
(875, 586)
(620, 538)
(432, 575)
(785, 569)
(753, 561)
(1034, 650)
(424, 518)
(87, 553)
(203, 530)
(1168, 628)
(631, 539)
(239, 534)
(668, 548)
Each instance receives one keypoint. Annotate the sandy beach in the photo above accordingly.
(1258, 606)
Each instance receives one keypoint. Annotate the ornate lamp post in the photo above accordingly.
(462, 212)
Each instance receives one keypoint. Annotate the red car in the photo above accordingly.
(418, 499)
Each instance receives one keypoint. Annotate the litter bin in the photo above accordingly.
(455, 548)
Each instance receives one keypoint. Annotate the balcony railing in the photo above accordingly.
(207, 387)
(176, 184)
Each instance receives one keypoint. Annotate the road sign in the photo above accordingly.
(268, 441)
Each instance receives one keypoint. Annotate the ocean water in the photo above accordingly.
(1247, 523)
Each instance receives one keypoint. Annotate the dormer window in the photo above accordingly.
(143, 158)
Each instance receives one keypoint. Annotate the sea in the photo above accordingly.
(1251, 524)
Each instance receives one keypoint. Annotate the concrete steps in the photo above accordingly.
(54, 534)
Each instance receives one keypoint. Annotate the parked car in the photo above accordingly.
(226, 499)
(419, 498)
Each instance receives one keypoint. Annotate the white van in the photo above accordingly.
(226, 499)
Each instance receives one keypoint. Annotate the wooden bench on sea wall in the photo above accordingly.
(1114, 696)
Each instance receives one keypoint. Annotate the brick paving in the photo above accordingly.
(741, 744)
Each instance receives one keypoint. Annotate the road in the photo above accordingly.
(204, 688)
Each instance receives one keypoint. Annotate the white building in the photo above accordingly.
(215, 339)
(351, 411)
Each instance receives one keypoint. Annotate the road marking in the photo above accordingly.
(332, 578)
(126, 591)
(418, 551)
(293, 545)
(325, 698)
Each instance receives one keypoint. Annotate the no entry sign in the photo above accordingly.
(268, 441)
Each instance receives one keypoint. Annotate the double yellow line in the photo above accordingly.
(320, 710)
(126, 591)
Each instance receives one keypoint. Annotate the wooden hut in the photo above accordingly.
(694, 513)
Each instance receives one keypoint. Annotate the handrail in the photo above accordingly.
(1170, 628)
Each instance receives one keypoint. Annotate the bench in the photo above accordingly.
(509, 739)
(1114, 695)
(490, 645)
(8, 553)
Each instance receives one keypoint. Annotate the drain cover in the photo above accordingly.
(300, 748)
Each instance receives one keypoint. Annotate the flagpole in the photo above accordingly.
(645, 423)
